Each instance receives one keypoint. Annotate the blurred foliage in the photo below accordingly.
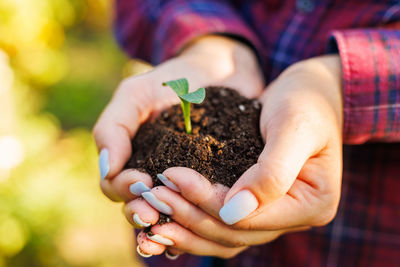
(58, 69)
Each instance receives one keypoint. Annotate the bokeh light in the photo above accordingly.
(59, 65)
(11, 152)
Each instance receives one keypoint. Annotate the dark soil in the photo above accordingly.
(225, 141)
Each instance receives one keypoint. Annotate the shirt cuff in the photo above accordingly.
(370, 70)
(180, 23)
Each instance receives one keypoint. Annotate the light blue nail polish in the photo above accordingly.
(139, 221)
(138, 188)
(167, 182)
(170, 256)
(103, 163)
(141, 253)
(239, 207)
(156, 203)
(160, 239)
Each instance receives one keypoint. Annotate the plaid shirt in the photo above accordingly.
(366, 34)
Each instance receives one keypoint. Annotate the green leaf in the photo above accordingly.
(195, 97)
(180, 86)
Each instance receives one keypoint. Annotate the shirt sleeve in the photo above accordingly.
(157, 30)
(371, 84)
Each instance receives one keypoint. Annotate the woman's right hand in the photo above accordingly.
(210, 60)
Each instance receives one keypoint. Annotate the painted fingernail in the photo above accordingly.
(156, 203)
(160, 239)
(139, 221)
(141, 253)
(171, 256)
(239, 207)
(167, 182)
(103, 163)
(138, 188)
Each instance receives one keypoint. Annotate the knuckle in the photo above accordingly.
(242, 225)
(231, 240)
(236, 242)
(275, 184)
(105, 188)
(188, 222)
(127, 209)
(275, 174)
(247, 225)
(96, 130)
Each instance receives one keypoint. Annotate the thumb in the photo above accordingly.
(115, 129)
(278, 166)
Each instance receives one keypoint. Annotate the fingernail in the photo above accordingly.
(141, 253)
(167, 182)
(139, 221)
(160, 239)
(103, 163)
(156, 203)
(239, 207)
(138, 188)
(171, 256)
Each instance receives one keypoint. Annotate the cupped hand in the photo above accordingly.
(210, 60)
(193, 204)
(297, 179)
(294, 185)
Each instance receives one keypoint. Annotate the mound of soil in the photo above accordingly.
(225, 141)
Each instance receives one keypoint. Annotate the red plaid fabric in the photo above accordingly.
(366, 34)
(371, 81)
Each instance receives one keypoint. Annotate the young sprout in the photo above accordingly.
(181, 88)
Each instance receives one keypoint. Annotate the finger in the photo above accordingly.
(205, 225)
(305, 203)
(127, 185)
(196, 188)
(140, 214)
(178, 240)
(189, 242)
(173, 253)
(147, 248)
(271, 177)
(118, 124)
(193, 218)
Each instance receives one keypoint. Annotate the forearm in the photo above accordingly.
(158, 31)
(370, 88)
(321, 72)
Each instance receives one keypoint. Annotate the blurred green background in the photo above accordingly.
(58, 67)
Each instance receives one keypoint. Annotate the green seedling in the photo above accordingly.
(181, 88)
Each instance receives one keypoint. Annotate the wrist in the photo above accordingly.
(218, 47)
(324, 75)
(224, 58)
